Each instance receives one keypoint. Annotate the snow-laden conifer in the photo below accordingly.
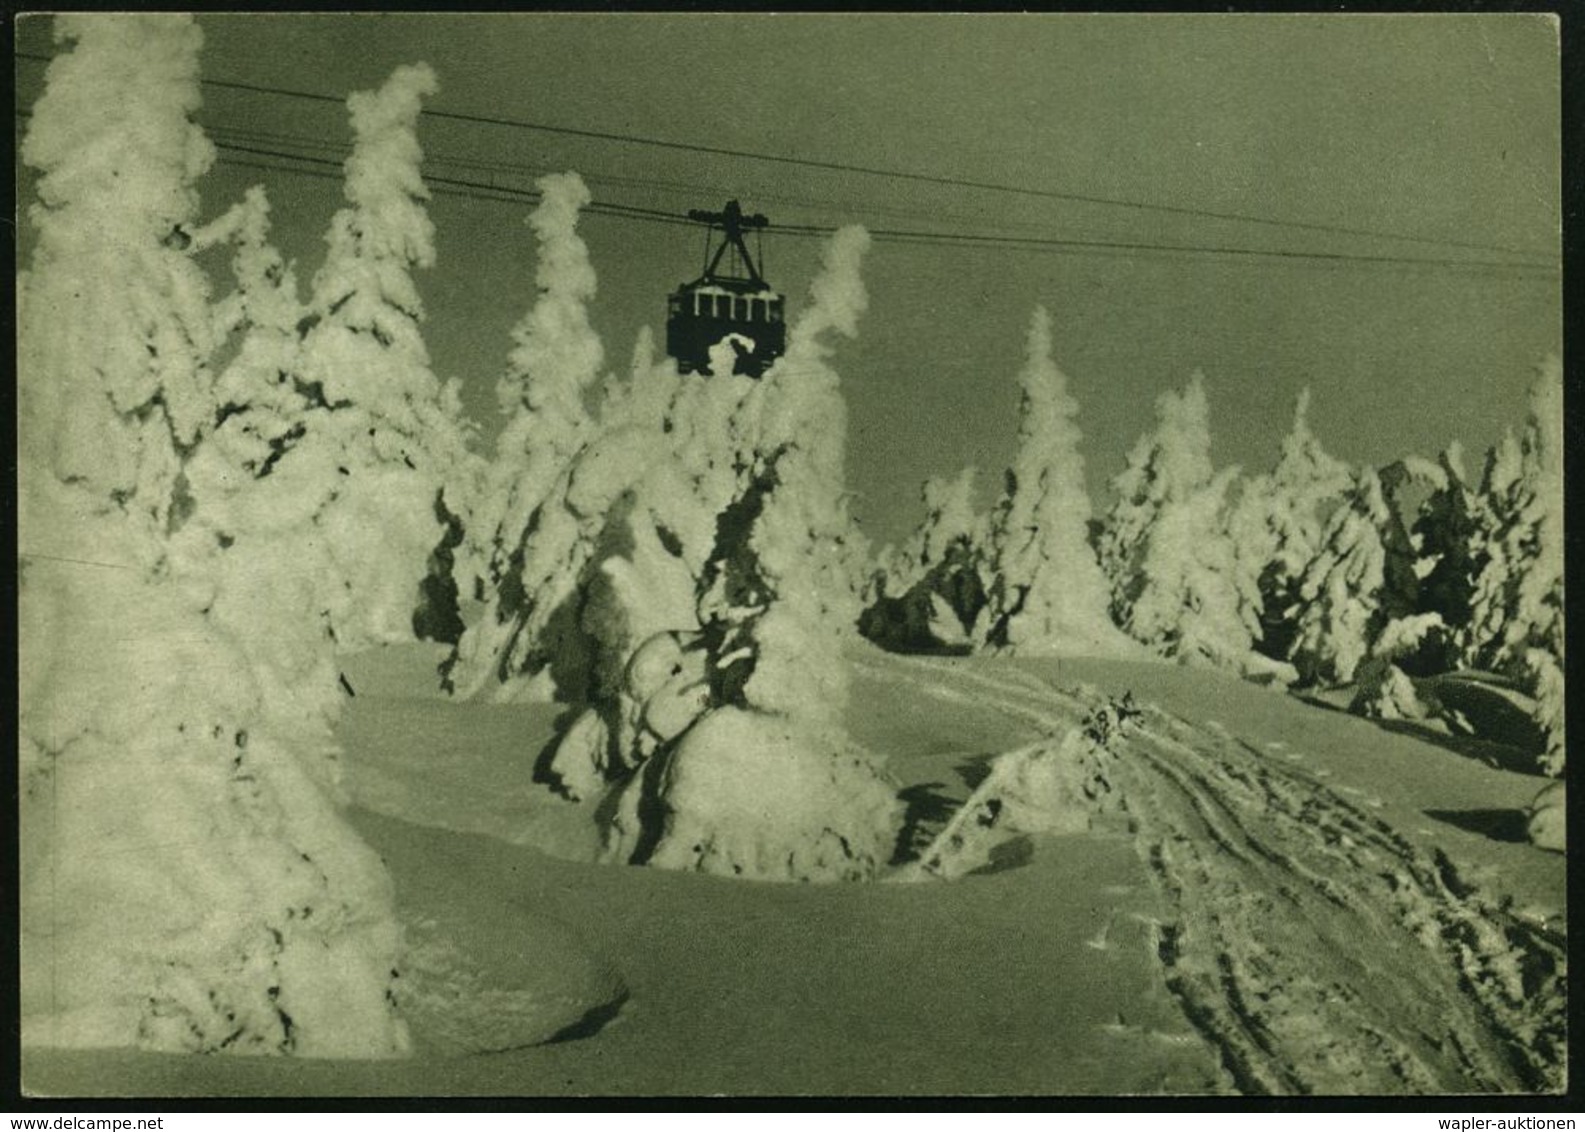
(555, 361)
(931, 592)
(807, 601)
(258, 491)
(1164, 547)
(763, 780)
(951, 519)
(677, 446)
(1497, 560)
(1533, 632)
(1340, 594)
(1170, 462)
(1189, 606)
(383, 435)
(189, 885)
(529, 547)
(1402, 483)
(1447, 535)
(1276, 527)
(1047, 590)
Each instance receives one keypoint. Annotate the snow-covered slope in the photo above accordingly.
(1289, 898)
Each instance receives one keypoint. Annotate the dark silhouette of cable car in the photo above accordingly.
(730, 302)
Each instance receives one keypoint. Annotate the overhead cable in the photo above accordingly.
(1021, 243)
(876, 171)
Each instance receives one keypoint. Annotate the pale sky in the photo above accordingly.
(1444, 128)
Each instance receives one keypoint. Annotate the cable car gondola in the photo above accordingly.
(724, 304)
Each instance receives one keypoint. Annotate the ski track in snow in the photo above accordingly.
(1315, 947)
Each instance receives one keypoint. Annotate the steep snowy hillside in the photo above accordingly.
(1278, 898)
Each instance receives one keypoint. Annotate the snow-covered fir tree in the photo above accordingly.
(802, 603)
(1047, 591)
(1446, 533)
(670, 447)
(256, 498)
(1172, 461)
(1341, 613)
(931, 592)
(1276, 527)
(555, 361)
(188, 884)
(1493, 513)
(1190, 606)
(642, 573)
(387, 432)
(1519, 596)
(528, 548)
(604, 525)
(762, 779)
(951, 520)
(1164, 547)
(1403, 483)
(324, 457)
(1541, 594)
(1490, 587)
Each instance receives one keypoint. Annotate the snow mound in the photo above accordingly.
(1385, 692)
(1260, 669)
(582, 756)
(466, 989)
(746, 794)
(668, 686)
(1051, 787)
(1476, 703)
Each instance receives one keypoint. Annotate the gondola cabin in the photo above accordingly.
(730, 305)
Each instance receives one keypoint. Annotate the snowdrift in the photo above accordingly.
(745, 794)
